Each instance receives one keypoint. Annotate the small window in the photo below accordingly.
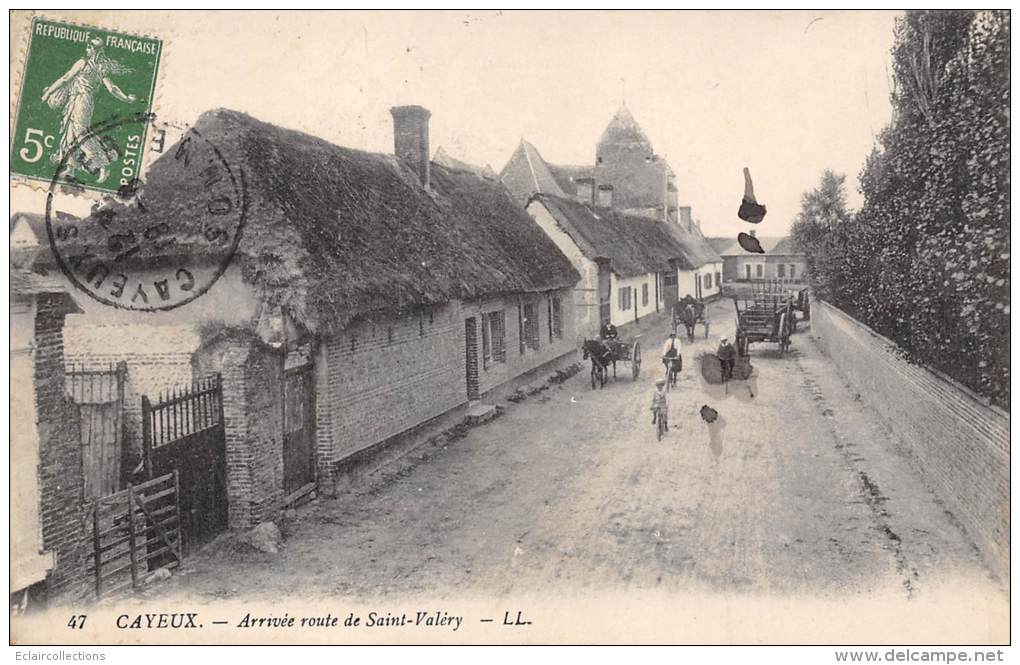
(520, 327)
(493, 338)
(748, 270)
(644, 294)
(624, 298)
(557, 319)
(793, 271)
(486, 352)
(708, 281)
(759, 270)
(718, 279)
(530, 326)
(781, 268)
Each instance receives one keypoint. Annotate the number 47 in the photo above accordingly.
(47, 140)
(77, 621)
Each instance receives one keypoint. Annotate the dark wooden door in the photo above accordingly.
(298, 429)
(670, 290)
(471, 357)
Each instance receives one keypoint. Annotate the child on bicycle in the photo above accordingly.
(660, 408)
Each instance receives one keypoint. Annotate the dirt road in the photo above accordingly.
(798, 490)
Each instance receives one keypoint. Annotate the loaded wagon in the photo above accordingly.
(764, 320)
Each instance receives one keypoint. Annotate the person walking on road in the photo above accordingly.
(726, 355)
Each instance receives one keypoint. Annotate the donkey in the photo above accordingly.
(600, 359)
(689, 317)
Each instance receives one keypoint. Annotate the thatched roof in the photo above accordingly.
(444, 158)
(635, 245)
(697, 249)
(334, 234)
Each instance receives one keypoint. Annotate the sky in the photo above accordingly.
(786, 94)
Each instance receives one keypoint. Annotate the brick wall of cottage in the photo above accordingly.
(61, 484)
(960, 444)
(386, 376)
(252, 413)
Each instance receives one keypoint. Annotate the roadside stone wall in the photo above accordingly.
(959, 442)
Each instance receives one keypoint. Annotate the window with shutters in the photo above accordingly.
(493, 338)
(624, 298)
(781, 270)
(555, 319)
(530, 326)
(644, 294)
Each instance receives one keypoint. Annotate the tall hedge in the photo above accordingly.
(925, 261)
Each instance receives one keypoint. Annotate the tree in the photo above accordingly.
(925, 261)
(820, 229)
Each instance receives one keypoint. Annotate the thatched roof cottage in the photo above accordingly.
(368, 293)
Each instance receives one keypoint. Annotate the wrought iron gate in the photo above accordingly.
(183, 432)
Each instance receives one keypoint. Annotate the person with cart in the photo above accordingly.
(726, 355)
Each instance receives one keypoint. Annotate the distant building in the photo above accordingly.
(627, 183)
(626, 171)
(641, 181)
(782, 260)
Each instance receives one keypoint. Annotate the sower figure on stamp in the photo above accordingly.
(74, 94)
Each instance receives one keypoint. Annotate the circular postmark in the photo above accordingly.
(153, 246)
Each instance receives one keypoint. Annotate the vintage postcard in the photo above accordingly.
(511, 327)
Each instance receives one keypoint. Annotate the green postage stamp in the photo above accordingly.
(86, 97)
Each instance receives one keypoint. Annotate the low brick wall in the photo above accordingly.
(961, 443)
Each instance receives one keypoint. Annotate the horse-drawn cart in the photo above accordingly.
(690, 312)
(764, 320)
(604, 353)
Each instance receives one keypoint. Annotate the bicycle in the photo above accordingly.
(660, 425)
(674, 365)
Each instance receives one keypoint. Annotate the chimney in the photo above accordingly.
(753, 232)
(605, 196)
(411, 139)
(685, 218)
(586, 191)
